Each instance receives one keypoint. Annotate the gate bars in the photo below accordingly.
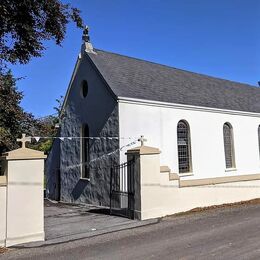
(122, 189)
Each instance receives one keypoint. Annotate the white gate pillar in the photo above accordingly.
(3, 189)
(24, 196)
(147, 181)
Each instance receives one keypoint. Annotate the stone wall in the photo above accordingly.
(99, 110)
(52, 171)
(96, 189)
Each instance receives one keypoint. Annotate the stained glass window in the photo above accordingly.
(184, 147)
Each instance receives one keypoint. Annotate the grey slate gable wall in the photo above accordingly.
(100, 111)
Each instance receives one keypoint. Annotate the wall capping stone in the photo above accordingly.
(218, 180)
(143, 150)
(23, 154)
(173, 176)
(164, 168)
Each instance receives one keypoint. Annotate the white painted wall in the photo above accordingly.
(25, 220)
(161, 200)
(157, 196)
(158, 123)
(2, 214)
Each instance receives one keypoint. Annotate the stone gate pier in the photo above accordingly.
(21, 196)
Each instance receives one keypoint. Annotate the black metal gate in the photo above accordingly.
(122, 190)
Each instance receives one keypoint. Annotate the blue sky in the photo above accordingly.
(219, 38)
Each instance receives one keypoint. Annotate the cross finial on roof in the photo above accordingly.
(142, 140)
(86, 44)
(24, 139)
(85, 36)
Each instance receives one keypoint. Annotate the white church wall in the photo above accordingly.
(158, 123)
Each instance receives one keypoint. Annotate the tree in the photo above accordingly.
(59, 104)
(44, 127)
(26, 24)
(13, 119)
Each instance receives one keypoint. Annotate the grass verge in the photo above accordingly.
(3, 250)
(222, 206)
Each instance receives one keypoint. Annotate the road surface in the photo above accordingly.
(227, 233)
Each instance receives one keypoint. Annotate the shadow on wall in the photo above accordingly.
(52, 171)
(79, 188)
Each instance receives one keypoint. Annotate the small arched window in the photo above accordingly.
(184, 147)
(229, 145)
(84, 88)
(85, 150)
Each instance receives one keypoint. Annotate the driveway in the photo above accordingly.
(69, 222)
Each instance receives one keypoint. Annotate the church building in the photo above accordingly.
(206, 128)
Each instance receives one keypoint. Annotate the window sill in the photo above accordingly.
(84, 179)
(231, 170)
(185, 174)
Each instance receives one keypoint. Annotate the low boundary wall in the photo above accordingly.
(159, 193)
(161, 200)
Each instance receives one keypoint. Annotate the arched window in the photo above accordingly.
(184, 147)
(229, 145)
(84, 88)
(85, 152)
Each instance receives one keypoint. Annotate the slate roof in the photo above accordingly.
(135, 78)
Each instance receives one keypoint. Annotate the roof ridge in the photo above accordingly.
(170, 67)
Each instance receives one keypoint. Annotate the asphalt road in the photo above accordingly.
(229, 233)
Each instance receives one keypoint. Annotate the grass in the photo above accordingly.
(205, 209)
(3, 250)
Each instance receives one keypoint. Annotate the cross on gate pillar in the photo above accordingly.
(24, 140)
(142, 140)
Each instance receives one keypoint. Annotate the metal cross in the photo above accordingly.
(142, 140)
(24, 139)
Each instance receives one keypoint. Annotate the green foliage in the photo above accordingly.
(44, 127)
(24, 27)
(59, 104)
(26, 24)
(46, 146)
(13, 119)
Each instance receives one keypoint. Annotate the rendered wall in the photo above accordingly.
(161, 200)
(2, 214)
(157, 196)
(159, 126)
(100, 111)
(25, 219)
